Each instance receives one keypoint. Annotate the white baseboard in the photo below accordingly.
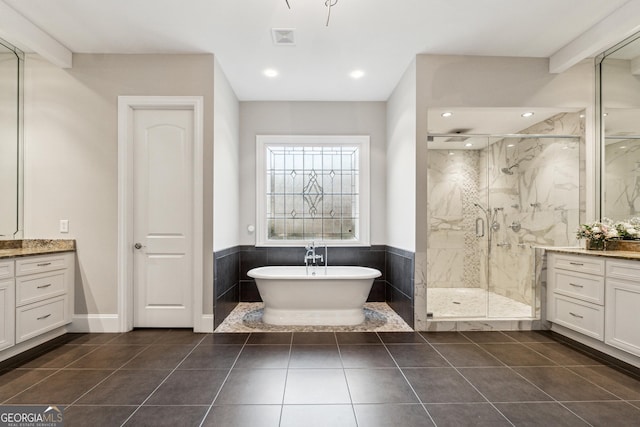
(95, 323)
(206, 324)
(111, 323)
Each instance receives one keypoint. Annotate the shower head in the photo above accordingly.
(508, 171)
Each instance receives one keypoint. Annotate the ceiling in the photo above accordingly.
(378, 37)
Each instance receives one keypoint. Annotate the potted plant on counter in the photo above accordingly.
(610, 235)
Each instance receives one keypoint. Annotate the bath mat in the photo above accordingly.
(379, 317)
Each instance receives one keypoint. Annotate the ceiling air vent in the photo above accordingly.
(283, 36)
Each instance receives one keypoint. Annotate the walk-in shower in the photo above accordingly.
(492, 200)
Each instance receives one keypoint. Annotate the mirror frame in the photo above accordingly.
(600, 125)
(19, 223)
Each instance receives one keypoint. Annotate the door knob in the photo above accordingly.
(138, 246)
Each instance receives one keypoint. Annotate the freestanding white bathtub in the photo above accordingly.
(293, 297)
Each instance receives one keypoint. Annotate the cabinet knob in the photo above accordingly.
(138, 246)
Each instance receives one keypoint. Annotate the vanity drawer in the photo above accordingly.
(6, 269)
(580, 264)
(586, 287)
(627, 270)
(580, 316)
(40, 264)
(36, 287)
(35, 319)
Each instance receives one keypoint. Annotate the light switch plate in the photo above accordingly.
(64, 225)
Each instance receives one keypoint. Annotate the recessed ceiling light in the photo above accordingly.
(447, 114)
(527, 114)
(356, 74)
(270, 72)
(468, 144)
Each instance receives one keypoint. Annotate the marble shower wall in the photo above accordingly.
(622, 179)
(542, 195)
(453, 259)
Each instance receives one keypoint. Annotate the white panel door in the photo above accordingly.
(163, 203)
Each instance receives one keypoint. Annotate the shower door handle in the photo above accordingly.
(479, 227)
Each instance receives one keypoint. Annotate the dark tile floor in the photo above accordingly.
(177, 378)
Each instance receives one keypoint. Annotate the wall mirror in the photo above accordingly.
(11, 116)
(618, 72)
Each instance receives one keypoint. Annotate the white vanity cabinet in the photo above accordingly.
(623, 305)
(596, 300)
(7, 302)
(43, 284)
(36, 293)
(575, 296)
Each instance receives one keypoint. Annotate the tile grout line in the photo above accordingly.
(526, 379)
(163, 381)
(286, 378)
(210, 408)
(530, 382)
(568, 368)
(558, 365)
(344, 374)
(467, 380)
(407, 380)
(143, 348)
(54, 371)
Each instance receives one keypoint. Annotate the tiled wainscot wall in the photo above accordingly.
(232, 285)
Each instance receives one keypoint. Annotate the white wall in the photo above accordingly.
(312, 118)
(226, 163)
(401, 163)
(71, 155)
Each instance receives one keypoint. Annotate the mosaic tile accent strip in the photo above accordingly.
(470, 196)
(379, 318)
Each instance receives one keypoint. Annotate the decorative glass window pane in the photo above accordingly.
(312, 189)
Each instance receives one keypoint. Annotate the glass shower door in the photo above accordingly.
(459, 229)
(534, 188)
(514, 200)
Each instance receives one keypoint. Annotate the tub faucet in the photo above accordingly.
(311, 257)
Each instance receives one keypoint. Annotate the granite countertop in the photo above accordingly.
(27, 247)
(607, 254)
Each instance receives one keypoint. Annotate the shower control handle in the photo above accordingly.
(515, 226)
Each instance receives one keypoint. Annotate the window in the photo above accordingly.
(312, 188)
